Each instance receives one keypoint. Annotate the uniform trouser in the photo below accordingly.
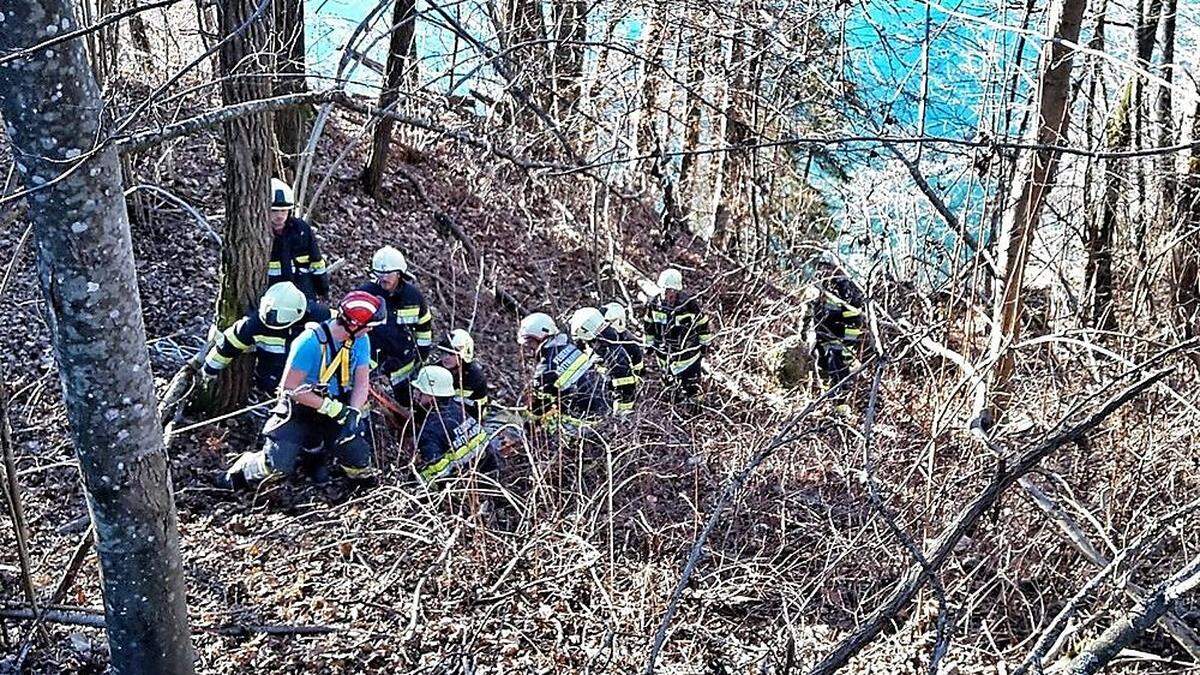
(686, 380)
(301, 429)
(831, 359)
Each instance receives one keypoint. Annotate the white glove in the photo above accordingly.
(252, 465)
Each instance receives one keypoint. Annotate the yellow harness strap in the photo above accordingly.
(339, 364)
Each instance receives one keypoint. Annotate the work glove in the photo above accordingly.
(247, 471)
(351, 422)
(334, 408)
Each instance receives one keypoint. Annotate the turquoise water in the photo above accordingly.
(884, 60)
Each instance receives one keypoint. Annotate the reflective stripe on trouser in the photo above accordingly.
(455, 458)
(677, 363)
(301, 429)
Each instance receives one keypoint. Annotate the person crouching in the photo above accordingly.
(325, 386)
(449, 438)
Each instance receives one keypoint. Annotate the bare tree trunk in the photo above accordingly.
(1166, 120)
(1098, 272)
(401, 44)
(1023, 213)
(523, 30)
(1185, 256)
(290, 73)
(88, 278)
(692, 115)
(245, 69)
(570, 19)
(1125, 630)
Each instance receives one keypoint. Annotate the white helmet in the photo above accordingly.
(537, 326)
(460, 342)
(670, 278)
(281, 195)
(389, 259)
(586, 323)
(616, 316)
(282, 305)
(435, 381)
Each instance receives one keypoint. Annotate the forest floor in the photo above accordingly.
(567, 564)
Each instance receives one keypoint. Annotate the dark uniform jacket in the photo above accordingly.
(566, 376)
(837, 313)
(679, 331)
(406, 336)
(615, 363)
(448, 438)
(472, 386)
(270, 345)
(633, 349)
(295, 257)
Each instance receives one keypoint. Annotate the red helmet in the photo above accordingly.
(359, 310)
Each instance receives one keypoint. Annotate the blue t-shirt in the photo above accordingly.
(323, 365)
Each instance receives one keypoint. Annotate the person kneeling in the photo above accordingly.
(325, 385)
(449, 438)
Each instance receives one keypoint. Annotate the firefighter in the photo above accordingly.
(295, 256)
(678, 332)
(567, 389)
(449, 438)
(268, 333)
(325, 387)
(470, 383)
(618, 321)
(404, 341)
(837, 323)
(590, 330)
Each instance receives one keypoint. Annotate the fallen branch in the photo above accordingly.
(916, 576)
(96, 620)
(1110, 643)
(785, 436)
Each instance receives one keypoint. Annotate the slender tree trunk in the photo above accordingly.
(730, 210)
(523, 29)
(290, 132)
(1098, 271)
(245, 69)
(1095, 656)
(692, 115)
(570, 18)
(1166, 120)
(87, 275)
(1023, 213)
(399, 48)
(1185, 256)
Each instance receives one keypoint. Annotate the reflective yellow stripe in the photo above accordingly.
(443, 463)
(408, 313)
(233, 339)
(851, 313)
(619, 381)
(215, 359)
(270, 340)
(354, 471)
(572, 373)
(274, 265)
(302, 259)
(318, 267)
(678, 367)
(402, 371)
(853, 332)
(623, 405)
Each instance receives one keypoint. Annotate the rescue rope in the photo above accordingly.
(226, 416)
(255, 406)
